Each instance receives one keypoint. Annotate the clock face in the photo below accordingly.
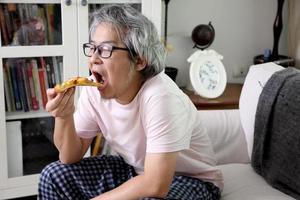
(208, 76)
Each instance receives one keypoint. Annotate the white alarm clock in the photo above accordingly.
(207, 73)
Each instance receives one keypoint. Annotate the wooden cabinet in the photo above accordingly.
(41, 45)
(228, 100)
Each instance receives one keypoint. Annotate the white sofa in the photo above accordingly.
(231, 132)
(228, 138)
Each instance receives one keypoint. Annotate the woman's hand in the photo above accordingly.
(60, 104)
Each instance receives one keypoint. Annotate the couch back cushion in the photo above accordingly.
(255, 80)
(226, 134)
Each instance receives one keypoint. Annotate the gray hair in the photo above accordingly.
(138, 34)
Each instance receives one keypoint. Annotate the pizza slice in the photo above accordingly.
(76, 81)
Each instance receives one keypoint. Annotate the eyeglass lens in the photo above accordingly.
(103, 50)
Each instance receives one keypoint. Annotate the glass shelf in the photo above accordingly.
(30, 24)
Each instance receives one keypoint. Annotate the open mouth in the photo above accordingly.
(99, 78)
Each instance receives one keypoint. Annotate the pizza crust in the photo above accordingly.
(76, 81)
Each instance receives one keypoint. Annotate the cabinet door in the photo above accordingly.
(152, 9)
(38, 48)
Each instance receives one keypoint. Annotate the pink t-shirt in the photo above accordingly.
(161, 118)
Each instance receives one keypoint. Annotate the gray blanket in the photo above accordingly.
(276, 148)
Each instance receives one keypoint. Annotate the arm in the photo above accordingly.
(155, 182)
(71, 147)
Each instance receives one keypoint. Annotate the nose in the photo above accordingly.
(95, 58)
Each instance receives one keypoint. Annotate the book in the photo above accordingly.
(42, 79)
(43, 65)
(56, 70)
(27, 86)
(34, 101)
(50, 22)
(4, 34)
(7, 92)
(41, 14)
(21, 85)
(13, 74)
(50, 73)
(8, 23)
(36, 80)
(9, 79)
(14, 18)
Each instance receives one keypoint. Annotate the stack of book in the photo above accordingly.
(26, 81)
(30, 24)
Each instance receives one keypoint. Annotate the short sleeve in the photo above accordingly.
(84, 117)
(168, 123)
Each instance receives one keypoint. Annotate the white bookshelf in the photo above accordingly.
(74, 32)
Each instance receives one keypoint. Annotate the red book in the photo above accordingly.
(41, 72)
(34, 101)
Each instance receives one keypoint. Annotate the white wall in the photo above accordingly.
(244, 28)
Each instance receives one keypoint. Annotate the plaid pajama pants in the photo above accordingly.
(95, 175)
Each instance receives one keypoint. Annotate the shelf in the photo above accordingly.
(228, 100)
(113, 1)
(27, 115)
(32, 1)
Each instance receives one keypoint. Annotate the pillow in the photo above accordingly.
(255, 80)
(226, 134)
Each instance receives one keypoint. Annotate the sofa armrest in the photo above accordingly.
(226, 134)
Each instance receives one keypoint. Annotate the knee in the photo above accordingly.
(51, 171)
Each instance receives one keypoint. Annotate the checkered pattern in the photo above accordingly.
(95, 175)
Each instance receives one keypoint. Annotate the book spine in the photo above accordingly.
(11, 91)
(42, 15)
(21, 85)
(15, 19)
(4, 34)
(60, 67)
(8, 96)
(34, 101)
(18, 103)
(41, 72)
(56, 70)
(8, 24)
(37, 84)
(50, 21)
(43, 66)
(49, 76)
(27, 86)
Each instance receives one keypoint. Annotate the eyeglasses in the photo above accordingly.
(104, 50)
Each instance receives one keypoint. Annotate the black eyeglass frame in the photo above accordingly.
(99, 50)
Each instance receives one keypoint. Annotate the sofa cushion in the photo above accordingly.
(256, 78)
(226, 134)
(241, 182)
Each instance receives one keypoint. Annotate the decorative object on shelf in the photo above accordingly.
(203, 35)
(207, 73)
(169, 70)
(166, 22)
(282, 60)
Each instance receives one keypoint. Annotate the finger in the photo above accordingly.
(66, 105)
(50, 93)
(54, 99)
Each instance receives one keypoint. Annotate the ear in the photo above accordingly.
(140, 64)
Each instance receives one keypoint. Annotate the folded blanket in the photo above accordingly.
(276, 147)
